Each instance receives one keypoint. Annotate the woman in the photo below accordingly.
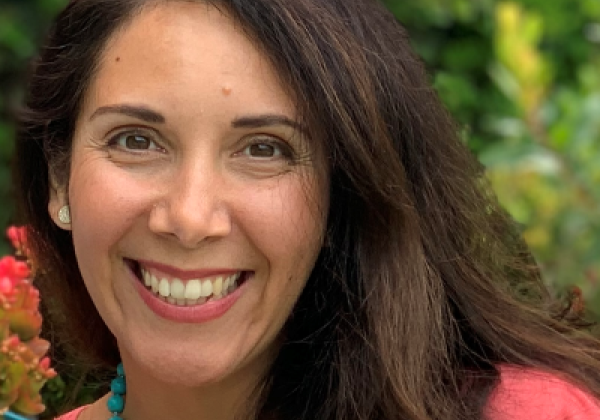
(262, 209)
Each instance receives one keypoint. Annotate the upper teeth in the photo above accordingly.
(191, 289)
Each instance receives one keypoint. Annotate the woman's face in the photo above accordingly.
(197, 205)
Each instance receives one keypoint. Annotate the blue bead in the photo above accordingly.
(115, 403)
(120, 370)
(118, 385)
(116, 418)
(9, 415)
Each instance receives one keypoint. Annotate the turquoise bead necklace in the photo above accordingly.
(116, 402)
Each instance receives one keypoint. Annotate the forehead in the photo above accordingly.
(180, 54)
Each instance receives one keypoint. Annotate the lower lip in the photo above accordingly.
(188, 314)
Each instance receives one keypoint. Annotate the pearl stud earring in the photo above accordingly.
(64, 215)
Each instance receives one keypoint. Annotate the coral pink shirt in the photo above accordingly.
(527, 394)
(71, 415)
(523, 394)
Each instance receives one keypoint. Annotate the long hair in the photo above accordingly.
(424, 286)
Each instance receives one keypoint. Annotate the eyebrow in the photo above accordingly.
(148, 115)
(139, 112)
(267, 120)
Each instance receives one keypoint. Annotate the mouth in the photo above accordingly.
(187, 292)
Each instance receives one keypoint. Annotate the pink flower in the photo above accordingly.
(13, 269)
(18, 238)
(20, 324)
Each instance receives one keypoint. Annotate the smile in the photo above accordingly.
(182, 291)
(191, 292)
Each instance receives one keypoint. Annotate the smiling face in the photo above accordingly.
(197, 202)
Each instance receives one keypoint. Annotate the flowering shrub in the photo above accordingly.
(24, 368)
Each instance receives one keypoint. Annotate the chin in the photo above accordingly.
(190, 365)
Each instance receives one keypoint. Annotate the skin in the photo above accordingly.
(196, 195)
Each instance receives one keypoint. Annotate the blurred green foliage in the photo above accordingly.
(523, 79)
(22, 26)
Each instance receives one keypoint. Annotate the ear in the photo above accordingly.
(58, 199)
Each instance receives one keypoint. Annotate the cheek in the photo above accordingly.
(103, 204)
(287, 225)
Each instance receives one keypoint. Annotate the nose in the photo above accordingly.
(191, 208)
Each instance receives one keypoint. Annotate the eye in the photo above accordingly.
(267, 149)
(262, 150)
(133, 141)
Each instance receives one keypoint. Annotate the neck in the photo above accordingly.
(149, 398)
(161, 401)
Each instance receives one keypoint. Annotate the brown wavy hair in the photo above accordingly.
(425, 286)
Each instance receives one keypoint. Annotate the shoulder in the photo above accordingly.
(71, 415)
(526, 394)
